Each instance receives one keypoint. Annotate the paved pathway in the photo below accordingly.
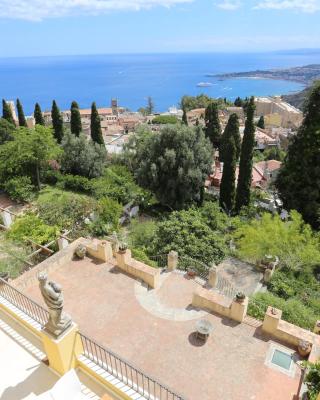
(151, 302)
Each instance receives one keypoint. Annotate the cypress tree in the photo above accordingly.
(57, 122)
(184, 117)
(238, 102)
(213, 128)
(96, 132)
(228, 185)
(7, 113)
(21, 117)
(38, 115)
(298, 180)
(75, 121)
(231, 130)
(245, 168)
(260, 123)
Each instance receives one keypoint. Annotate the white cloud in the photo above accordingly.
(37, 10)
(229, 5)
(308, 6)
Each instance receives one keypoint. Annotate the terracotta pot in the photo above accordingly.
(304, 348)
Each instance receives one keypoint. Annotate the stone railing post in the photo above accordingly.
(213, 276)
(123, 259)
(316, 328)
(62, 243)
(173, 259)
(7, 219)
(271, 320)
(238, 309)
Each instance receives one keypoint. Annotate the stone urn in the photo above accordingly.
(304, 348)
(80, 251)
(240, 297)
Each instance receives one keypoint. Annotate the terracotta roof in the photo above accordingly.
(271, 165)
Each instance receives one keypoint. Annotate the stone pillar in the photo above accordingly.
(271, 320)
(7, 219)
(62, 352)
(123, 259)
(105, 250)
(238, 310)
(63, 243)
(213, 276)
(173, 259)
(316, 329)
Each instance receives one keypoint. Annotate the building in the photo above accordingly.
(196, 116)
(263, 174)
(278, 113)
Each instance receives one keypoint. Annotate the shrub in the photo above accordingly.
(312, 380)
(165, 119)
(20, 188)
(66, 209)
(142, 234)
(108, 214)
(74, 183)
(32, 227)
(293, 310)
(140, 255)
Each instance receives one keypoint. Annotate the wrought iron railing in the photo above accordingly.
(161, 260)
(23, 303)
(187, 263)
(131, 376)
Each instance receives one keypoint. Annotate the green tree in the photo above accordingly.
(96, 132)
(30, 150)
(213, 128)
(38, 116)
(298, 181)
(189, 103)
(174, 164)
(260, 123)
(165, 119)
(6, 130)
(75, 119)
(245, 169)
(21, 116)
(150, 106)
(57, 122)
(184, 117)
(292, 241)
(238, 102)
(228, 185)
(188, 233)
(82, 157)
(7, 113)
(231, 130)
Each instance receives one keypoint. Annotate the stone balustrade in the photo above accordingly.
(213, 301)
(138, 269)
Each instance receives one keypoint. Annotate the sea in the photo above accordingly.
(131, 78)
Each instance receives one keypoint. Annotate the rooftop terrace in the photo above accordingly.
(154, 330)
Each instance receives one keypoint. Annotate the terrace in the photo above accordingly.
(154, 330)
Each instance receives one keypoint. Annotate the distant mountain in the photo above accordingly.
(297, 99)
(306, 74)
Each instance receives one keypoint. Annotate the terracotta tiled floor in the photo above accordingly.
(230, 366)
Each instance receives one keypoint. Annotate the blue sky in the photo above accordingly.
(61, 27)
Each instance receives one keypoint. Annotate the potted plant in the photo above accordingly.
(80, 251)
(123, 247)
(191, 272)
(240, 296)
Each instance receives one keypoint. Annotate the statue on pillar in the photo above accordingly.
(51, 292)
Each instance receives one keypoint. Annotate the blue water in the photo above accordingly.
(132, 78)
